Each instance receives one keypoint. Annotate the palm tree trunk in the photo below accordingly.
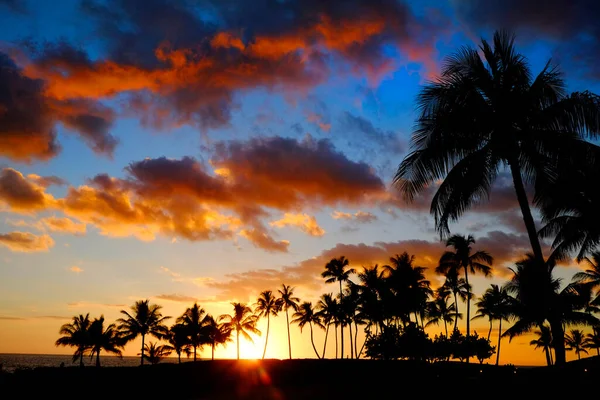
(499, 341)
(456, 310)
(341, 324)
(446, 328)
(81, 359)
(98, 359)
(351, 344)
(490, 331)
(515, 170)
(325, 342)
(355, 340)
(179, 357)
(468, 307)
(548, 355)
(267, 336)
(578, 355)
(312, 341)
(142, 352)
(336, 341)
(194, 353)
(287, 319)
(213, 351)
(238, 343)
(558, 341)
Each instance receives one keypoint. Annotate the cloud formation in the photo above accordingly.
(306, 223)
(25, 242)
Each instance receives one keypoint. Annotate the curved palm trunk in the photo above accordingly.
(548, 355)
(267, 336)
(238, 343)
(341, 325)
(490, 331)
(558, 341)
(446, 327)
(456, 311)
(312, 341)
(194, 353)
(142, 352)
(499, 341)
(81, 358)
(579, 355)
(287, 318)
(325, 342)
(356, 355)
(336, 342)
(351, 344)
(468, 306)
(515, 170)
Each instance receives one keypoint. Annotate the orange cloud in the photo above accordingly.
(76, 269)
(306, 223)
(26, 242)
(21, 194)
(359, 216)
(64, 225)
(175, 297)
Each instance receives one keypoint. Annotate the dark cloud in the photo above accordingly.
(26, 242)
(358, 129)
(21, 193)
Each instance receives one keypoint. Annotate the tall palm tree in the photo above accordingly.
(458, 286)
(217, 333)
(153, 352)
(544, 341)
(267, 305)
(335, 270)
(243, 321)
(485, 310)
(179, 340)
(327, 310)
(439, 309)
(496, 304)
(306, 315)
(108, 339)
(288, 300)
(575, 340)
(592, 340)
(143, 319)
(486, 112)
(193, 321)
(462, 257)
(76, 334)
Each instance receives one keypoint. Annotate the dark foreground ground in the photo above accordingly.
(303, 379)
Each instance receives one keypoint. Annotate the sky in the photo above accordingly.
(207, 150)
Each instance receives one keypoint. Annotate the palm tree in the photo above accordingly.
(544, 341)
(145, 319)
(575, 340)
(484, 113)
(462, 257)
(306, 315)
(216, 333)
(496, 304)
(590, 276)
(242, 321)
(155, 352)
(456, 285)
(108, 339)
(438, 310)
(327, 310)
(192, 319)
(267, 305)
(335, 270)
(592, 340)
(485, 309)
(179, 340)
(76, 334)
(288, 300)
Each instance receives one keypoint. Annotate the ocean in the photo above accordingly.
(10, 362)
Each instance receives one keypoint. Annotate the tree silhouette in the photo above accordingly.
(327, 310)
(544, 341)
(242, 321)
(463, 258)
(335, 270)
(591, 276)
(267, 305)
(592, 340)
(288, 300)
(144, 319)
(458, 286)
(193, 321)
(306, 315)
(438, 310)
(575, 340)
(154, 353)
(483, 113)
(496, 304)
(76, 334)
(179, 340)
(217, 333)
(108, 339)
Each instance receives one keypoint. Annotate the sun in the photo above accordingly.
(248, 349)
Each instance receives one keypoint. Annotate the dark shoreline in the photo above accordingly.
(301, 379)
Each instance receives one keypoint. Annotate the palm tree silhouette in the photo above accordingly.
(327, 310)
(108, 339)
(484, 113)
(575, 340)
(267, 305)
(216, 333)
(438, 310)
(335, 270)
(154, 353)
(76, 334)
(544, 341)
(193, 321)
(496, 304)
(592, 340)
(458, 286)
(462, 257)
(306, 315)
(242, 321)
(288, 300)
(591, 276)
(179, 340)
(145, 319)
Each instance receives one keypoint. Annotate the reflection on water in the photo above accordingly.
(10, 362)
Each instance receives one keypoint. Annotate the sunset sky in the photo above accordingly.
(206, 150)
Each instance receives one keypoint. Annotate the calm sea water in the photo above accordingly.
(10, 362)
